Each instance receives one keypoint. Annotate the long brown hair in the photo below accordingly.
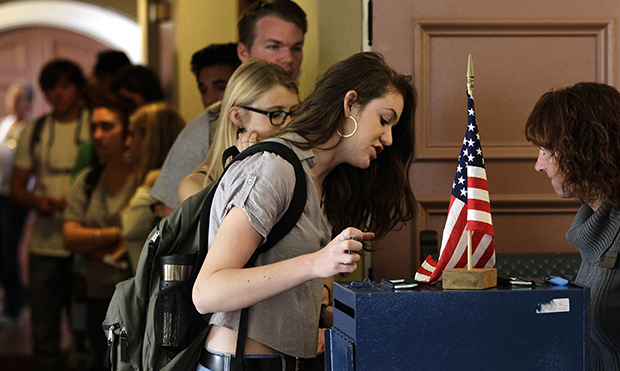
(580, 126)
(160, 123)
(362, 197)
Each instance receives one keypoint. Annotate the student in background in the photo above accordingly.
(139, 83)
(109, 62)
(578, 132)
(12, 217)
(92, 225)
(47, 150)
(273, 30)
(212, 67)
(152, 130)
(256, 85)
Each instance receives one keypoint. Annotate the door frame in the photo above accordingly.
(112, 28)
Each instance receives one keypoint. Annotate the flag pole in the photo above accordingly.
(471, 278)
(470, 91)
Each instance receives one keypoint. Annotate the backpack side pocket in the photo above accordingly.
(123, 326)
(177, 322)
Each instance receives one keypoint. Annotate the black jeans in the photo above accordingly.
(12, 219)
(51, 281)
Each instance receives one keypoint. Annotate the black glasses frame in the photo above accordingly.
(269, 114)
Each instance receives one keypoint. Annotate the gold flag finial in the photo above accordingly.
(470, 74)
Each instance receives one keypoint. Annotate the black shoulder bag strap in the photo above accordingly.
(279, 230)
(92, 178)
(35, 139)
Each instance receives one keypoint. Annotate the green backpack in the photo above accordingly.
(152, 329)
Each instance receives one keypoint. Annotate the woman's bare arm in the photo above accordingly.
(223, 285)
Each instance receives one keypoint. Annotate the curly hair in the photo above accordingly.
(580, 126)
(362, 197)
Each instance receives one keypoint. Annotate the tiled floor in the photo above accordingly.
(16, 345)
(16, 342)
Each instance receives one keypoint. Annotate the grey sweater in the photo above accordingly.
(594, 234)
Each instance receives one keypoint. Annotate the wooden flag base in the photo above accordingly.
(469, 279)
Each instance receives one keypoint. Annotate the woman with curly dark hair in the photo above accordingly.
(578, 132)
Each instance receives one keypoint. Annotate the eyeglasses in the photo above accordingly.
(276, 118)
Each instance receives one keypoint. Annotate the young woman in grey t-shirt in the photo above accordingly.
(352, 133)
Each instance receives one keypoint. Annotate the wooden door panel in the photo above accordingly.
(14, 64)
(514, 64)
(12, 57)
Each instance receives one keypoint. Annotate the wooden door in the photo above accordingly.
(520, 50)
(24, 52)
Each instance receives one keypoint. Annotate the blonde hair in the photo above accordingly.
(160, 123)
(246, 85)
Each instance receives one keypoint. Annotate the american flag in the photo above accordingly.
(470, 209)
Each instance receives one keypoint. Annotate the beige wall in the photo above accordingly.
(199, 23)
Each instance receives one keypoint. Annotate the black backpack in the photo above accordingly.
(153, 329)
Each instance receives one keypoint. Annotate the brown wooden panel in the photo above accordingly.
(520, 226)
(514, 63)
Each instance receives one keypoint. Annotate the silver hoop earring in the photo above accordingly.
(354, 130)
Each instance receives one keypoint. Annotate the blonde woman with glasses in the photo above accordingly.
(260, 98)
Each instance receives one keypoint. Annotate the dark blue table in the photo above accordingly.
(505, 328)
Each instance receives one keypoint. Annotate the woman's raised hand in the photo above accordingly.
(246, 139)
(342, 253)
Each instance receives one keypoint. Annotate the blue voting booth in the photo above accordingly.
(544, 327)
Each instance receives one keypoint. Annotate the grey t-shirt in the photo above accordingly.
(103, 210)
(262, 186)
(53, 162)
(188, 151)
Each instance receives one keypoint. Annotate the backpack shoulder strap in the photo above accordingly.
(288, 220)
(231, 151)
(298, 202)
(36, 135)
(91, 181)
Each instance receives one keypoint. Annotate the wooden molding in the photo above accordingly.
(426, 31)
(506, 204)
